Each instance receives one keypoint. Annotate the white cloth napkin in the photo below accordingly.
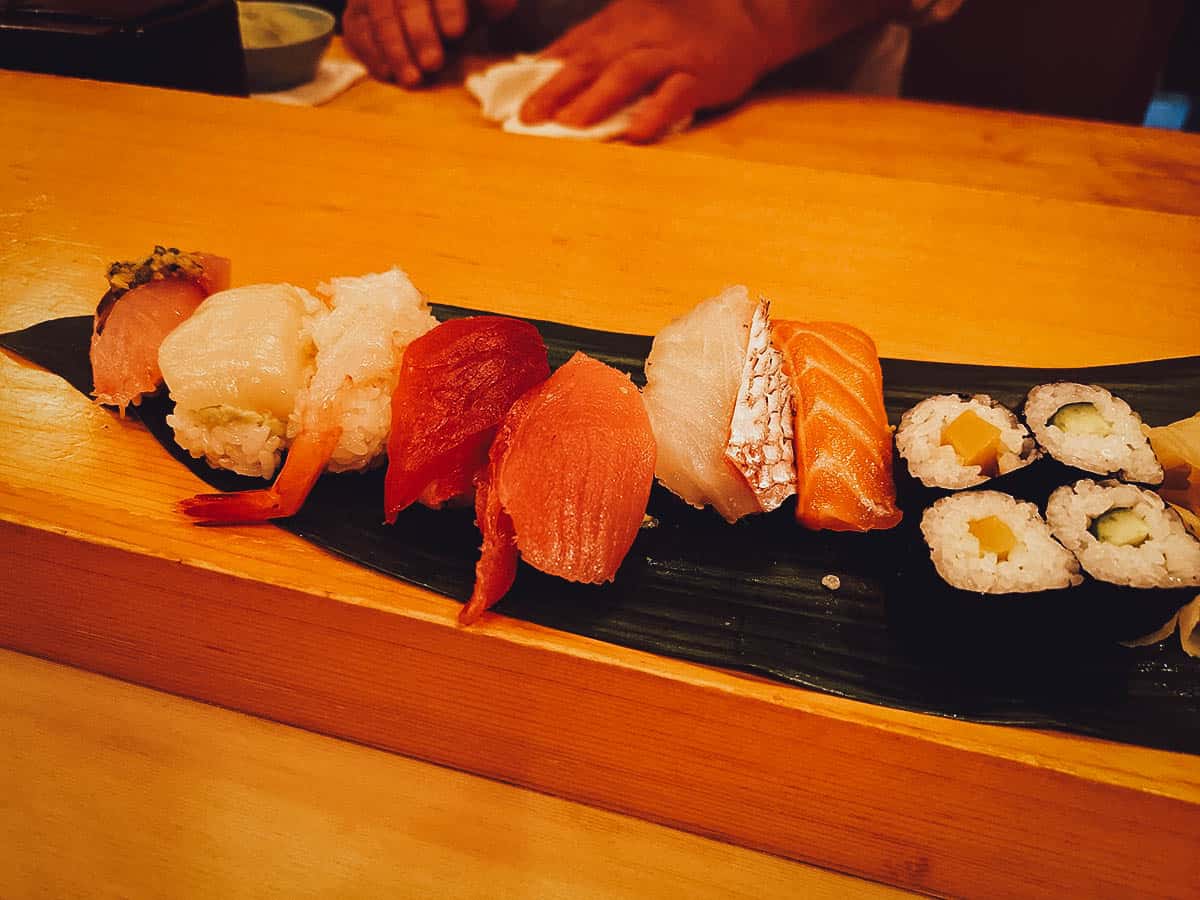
(502, 89)
(334, 76)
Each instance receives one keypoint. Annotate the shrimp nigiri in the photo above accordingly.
(342, 416)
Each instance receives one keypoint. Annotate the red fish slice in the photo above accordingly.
(130, 325)
(457, 381)
(567, 482)
(843, 442)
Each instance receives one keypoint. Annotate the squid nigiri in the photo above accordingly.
(567, 482)
(146, 301)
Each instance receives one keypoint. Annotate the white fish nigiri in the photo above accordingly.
(359, 348)
(698, 368)
(234, 369)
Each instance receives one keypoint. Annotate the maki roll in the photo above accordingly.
(990, 543)
(1124, 535)
(953, 441)
(1085, 426)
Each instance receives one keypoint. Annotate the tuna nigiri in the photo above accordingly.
(342, 415)
(145, 302)
(567, 481)
(456, 384)
(721, 407)
(843, 442)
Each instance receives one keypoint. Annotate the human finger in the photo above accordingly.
(620, 83)
(498, 9)
(551, 96)
(674, 99)
(452, 17)
(424, 39)
(360, 39)
(389, 37)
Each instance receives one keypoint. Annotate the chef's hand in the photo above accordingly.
(682, 55)
(401, 40)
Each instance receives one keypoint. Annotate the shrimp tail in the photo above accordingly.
(306, 460)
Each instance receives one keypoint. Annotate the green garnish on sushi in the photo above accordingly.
(1121, 527)
(1081, 418)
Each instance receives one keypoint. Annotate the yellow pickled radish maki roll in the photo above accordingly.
(991, 543)
(1124, 535)
(952, 441)
(1085, 426)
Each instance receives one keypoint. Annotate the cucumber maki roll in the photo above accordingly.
(1124, 535)
(992, 543)
(953, 441)
(1086, 427)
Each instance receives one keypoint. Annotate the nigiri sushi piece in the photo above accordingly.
(342, 416)
(146, 301)
(456, 384)
(843, 441)
(567, 482)
(719, 407)
(234, 370)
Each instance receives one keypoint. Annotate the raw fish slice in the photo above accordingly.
(456, 384)
(693, 375)
(497, 566)
(133, 318)
(843, 442)
(760, 433)
(568, 479)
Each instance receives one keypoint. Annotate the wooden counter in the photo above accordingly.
(957, 259)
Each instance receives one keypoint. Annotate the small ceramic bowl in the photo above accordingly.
(283, 43)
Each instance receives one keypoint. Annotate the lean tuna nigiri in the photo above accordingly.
(456, 384)
(721, 407)
(843, 442)
(146, 301)
(342, 415)
(567, 481)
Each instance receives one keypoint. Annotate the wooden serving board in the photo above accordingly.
(103, 574)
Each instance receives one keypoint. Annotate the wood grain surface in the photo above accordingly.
(162, 797)
(1067, 159)
(103, 574)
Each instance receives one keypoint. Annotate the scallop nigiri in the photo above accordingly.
(342, 414)
(567, 482)
(234, 370)
(720, 407)
(146, 301)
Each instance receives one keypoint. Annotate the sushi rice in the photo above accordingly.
(1124, 451)
(1168, 557)
(936, 464)
(1037, 562)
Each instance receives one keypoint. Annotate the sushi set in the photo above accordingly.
(993, 569)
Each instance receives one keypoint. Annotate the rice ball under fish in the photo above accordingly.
(992, 543)
(1124, 534)
(234, 369)
(1085, 426)
(953, 441)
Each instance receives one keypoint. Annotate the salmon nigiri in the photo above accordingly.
(843, 444)
(145, 302)
(567, 481)
(456, 384)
